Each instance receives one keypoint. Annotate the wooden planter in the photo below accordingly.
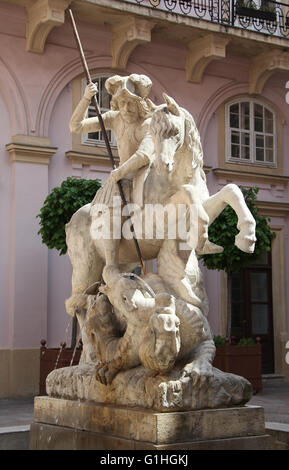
(241, 360)
(261, 15)
(50, 356)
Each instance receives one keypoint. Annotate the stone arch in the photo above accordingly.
(229, 91)
(14, 98)
(212, 104)
(65, 75)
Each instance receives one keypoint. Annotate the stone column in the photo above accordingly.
(27, 269)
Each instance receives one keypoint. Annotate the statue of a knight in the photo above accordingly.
(129, 119)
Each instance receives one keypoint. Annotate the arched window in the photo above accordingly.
(250, 133)
(103, 98)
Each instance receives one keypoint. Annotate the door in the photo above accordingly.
(252, 314)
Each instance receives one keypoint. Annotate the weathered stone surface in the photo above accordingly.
(143, 388)
(49, 437)
(64, 425)
(149, 426)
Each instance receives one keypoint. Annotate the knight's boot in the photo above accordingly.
(111, 274)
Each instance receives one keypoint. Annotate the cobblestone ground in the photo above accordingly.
(274, 398)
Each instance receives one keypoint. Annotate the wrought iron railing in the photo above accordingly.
(269, 17)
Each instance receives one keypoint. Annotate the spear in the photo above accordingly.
(102, 126)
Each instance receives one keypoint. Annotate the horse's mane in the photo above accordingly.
(194, 140)
(164, 124)
(161, 125)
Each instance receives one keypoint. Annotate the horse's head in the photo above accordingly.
(168, 131)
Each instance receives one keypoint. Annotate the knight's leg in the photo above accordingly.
(111, 249)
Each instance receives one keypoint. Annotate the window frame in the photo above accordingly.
(228, 129)
(85, 139)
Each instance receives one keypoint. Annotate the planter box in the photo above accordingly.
(48, 359)
(262, 15)
(241, 360)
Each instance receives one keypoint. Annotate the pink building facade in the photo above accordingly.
(230, 77)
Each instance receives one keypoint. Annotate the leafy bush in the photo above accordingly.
(219, 340)
(60, 205)
(247, 342)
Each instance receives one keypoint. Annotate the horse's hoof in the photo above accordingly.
(210, 248)
(245, 243)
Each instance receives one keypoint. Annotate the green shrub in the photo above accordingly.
(219, 340)
(247, 342)
(60, 205)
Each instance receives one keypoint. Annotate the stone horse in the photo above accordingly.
(139, 349)
(175, 177)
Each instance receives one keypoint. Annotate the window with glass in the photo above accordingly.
(251, 133)
(103, 98)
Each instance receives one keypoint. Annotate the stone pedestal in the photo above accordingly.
(66, 425)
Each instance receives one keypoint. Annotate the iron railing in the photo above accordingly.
(268, 17)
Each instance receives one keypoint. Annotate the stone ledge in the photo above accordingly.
(149, 426)
(83, 158)
(229, 174)
(30, 149)
(280, 432)
(14, 437)
(48, 437)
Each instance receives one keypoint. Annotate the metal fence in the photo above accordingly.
(268, 17)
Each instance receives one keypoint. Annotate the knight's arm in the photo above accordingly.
(80, 124)
(142, 157)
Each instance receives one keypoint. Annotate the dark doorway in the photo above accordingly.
(252, 314)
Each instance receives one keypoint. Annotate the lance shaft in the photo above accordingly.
(103, 130)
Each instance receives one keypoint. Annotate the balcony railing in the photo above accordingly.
(268, 17)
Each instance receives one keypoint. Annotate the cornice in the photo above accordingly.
(89, 159)
(29, 153)
(251, 176)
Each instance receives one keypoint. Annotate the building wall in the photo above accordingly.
(36, 102)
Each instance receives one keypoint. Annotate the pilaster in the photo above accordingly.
(30, 157)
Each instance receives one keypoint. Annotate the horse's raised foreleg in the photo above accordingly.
(232, 195)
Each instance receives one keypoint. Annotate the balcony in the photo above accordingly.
(258, 30)
(262, 16)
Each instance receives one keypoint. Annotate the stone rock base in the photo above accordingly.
(144, 388)
(74, 425)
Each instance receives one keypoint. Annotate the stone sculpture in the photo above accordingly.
(146, 340)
